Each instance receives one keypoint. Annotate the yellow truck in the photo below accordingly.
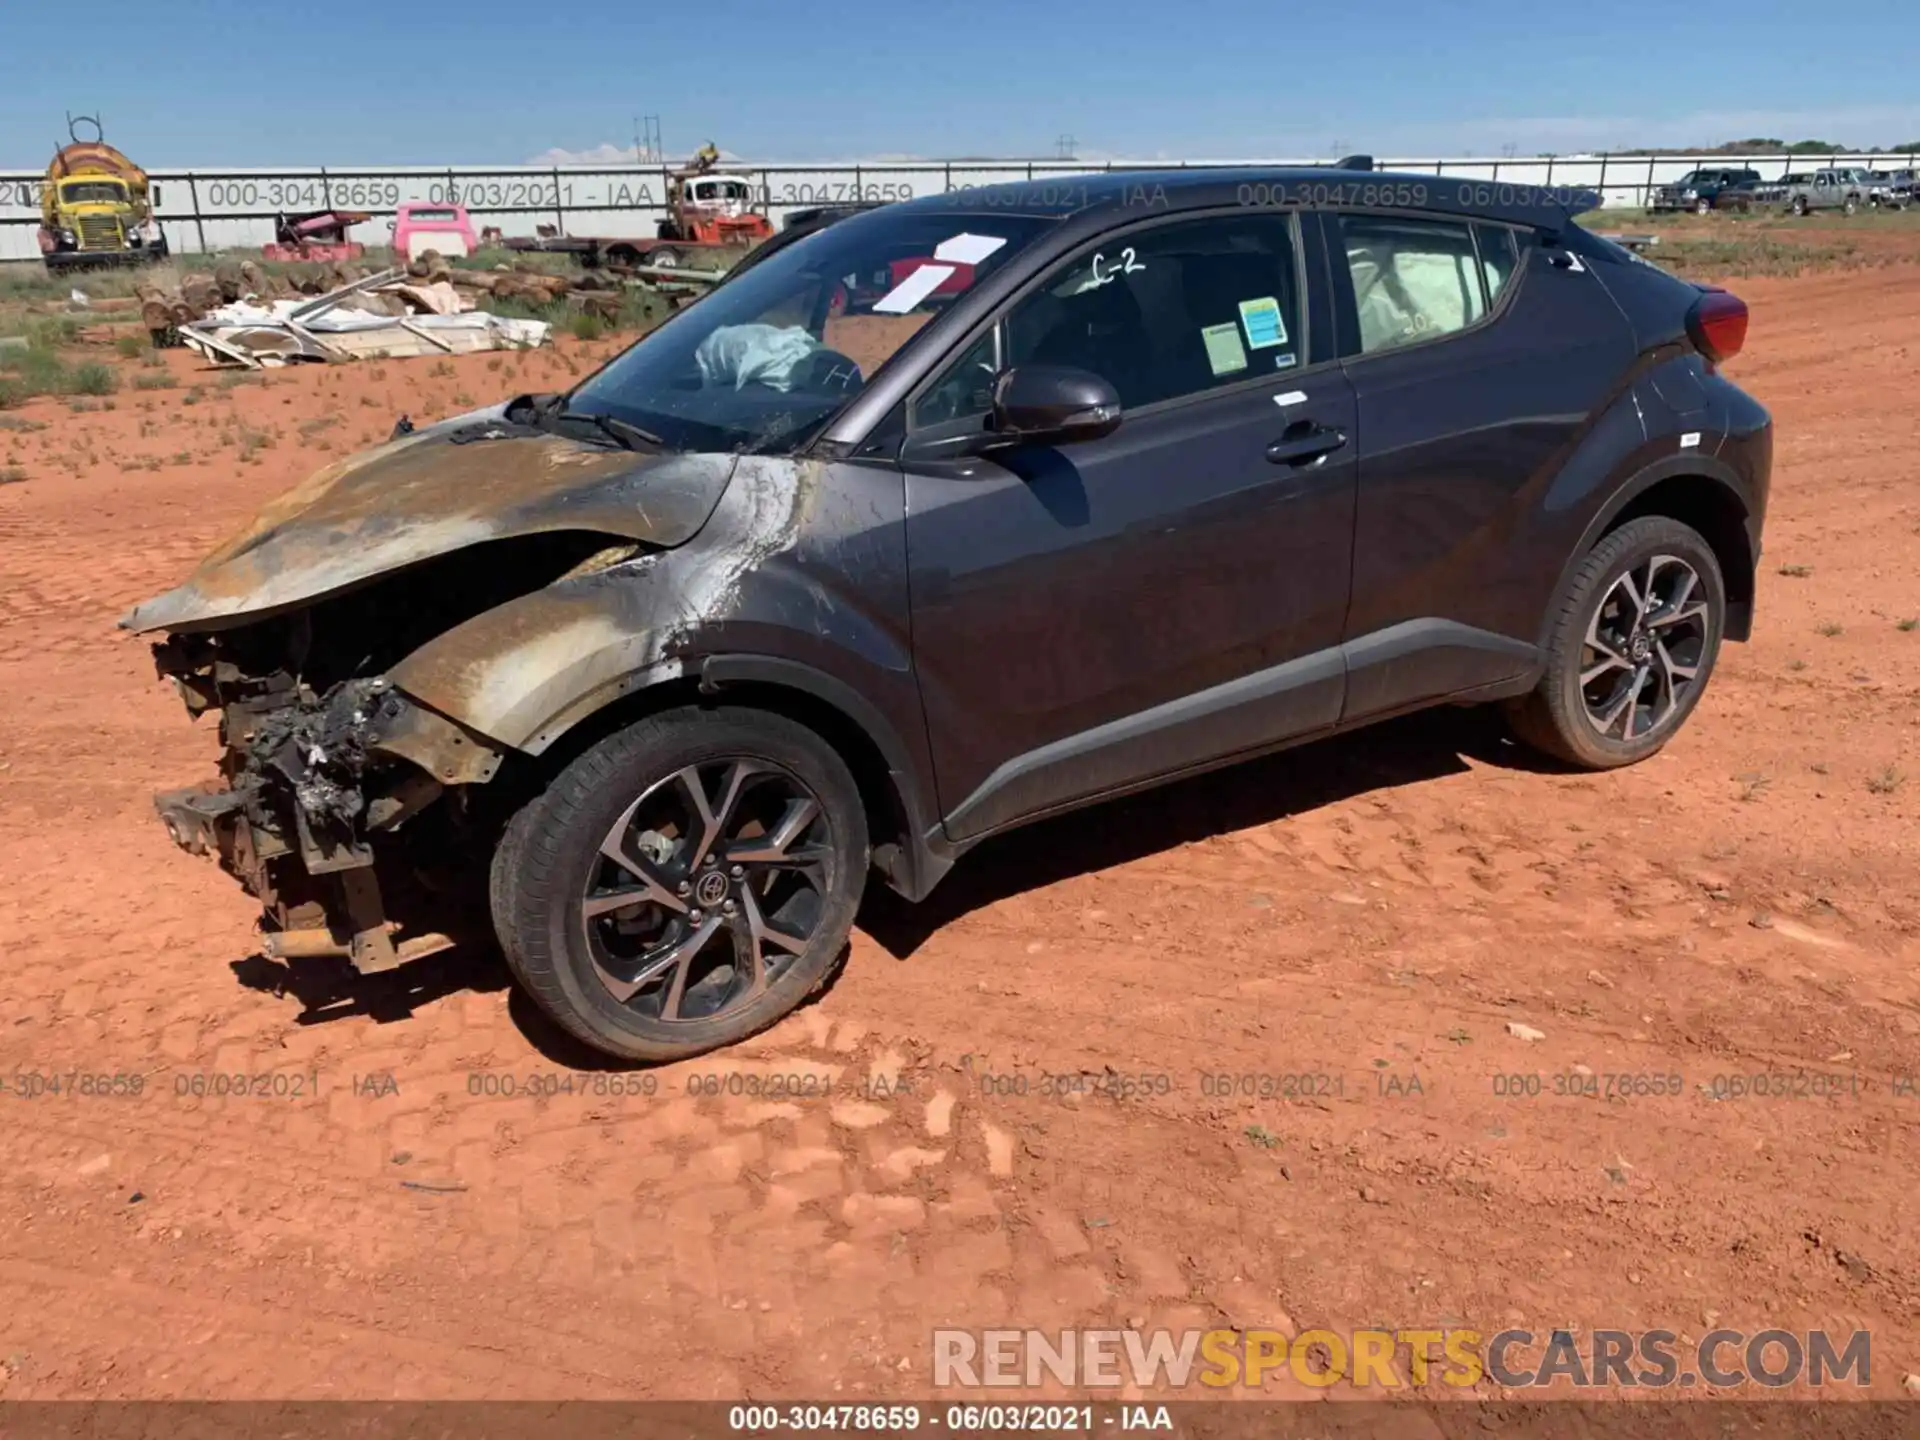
(96, 207)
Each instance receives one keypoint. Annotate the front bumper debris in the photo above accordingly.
(313, 788)
(339, 915)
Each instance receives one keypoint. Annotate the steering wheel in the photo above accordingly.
(829, 371)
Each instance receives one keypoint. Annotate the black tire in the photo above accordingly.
(1849, 206)
(662, 255)
(1561, 716)
(1799, 205)
(1703, 207)
(549, 866)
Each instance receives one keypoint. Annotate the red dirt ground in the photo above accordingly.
(1370, 909)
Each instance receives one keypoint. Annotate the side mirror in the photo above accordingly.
(1053, 404)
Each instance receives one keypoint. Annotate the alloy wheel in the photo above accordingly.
(707, 888)
(1643, 648)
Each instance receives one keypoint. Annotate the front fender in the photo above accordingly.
(791, 564)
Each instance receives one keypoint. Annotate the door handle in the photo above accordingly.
(1306, 448)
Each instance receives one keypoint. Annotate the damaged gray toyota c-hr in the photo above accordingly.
(950, 516)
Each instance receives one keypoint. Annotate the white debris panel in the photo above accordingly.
(353, 323)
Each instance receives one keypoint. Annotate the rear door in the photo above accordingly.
(1482, 357)
(1091, 616)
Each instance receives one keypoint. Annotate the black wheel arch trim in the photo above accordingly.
(914, 863)
(1698, 464)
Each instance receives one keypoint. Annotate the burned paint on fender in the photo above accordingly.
(512, 670)
(804, 546)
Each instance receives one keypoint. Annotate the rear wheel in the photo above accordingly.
(1631, 650)
(664, 256)
(684, 883)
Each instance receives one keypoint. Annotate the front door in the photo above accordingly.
(1092, 616)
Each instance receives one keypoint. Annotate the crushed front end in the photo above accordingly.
(317, 790)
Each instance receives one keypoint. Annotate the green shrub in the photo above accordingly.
(90, 377)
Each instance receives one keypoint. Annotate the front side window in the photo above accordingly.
(967, 386)
(1159, 314)
(1415, 280)
(768, 357)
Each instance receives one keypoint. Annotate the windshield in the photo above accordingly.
(93, 192)
(769, 356)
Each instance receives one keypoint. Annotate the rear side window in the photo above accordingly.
(1416, 280)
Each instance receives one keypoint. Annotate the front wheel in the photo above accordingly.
(1703, 207)
(1631, 649)
(683, 883)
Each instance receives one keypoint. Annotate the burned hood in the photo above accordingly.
(425, 494)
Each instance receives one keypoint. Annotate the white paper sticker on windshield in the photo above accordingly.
(966, 249)
(912, 290)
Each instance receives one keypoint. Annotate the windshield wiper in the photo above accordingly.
(622, 433)
(627, 434)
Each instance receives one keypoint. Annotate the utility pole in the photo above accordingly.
(646, 139)
(1064, 146)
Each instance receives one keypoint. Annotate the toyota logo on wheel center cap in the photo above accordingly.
(711, 888)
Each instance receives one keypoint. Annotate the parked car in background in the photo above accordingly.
(1847, 189)
(1702, 191)
(419, 226)
(1870, 187)
(1899, 184)
(946, 517)
(1800, 192)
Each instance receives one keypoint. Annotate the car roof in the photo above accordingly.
(1059, 196)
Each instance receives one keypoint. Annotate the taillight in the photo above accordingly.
(1718, 324)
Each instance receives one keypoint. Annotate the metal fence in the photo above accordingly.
(204, 211)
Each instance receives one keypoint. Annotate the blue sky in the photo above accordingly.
(220, 82)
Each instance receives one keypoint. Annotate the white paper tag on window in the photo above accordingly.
(966, 249)
(912, 290)
(1225, 353)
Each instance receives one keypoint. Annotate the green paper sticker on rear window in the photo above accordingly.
(1263, 322)
(1225, 353)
